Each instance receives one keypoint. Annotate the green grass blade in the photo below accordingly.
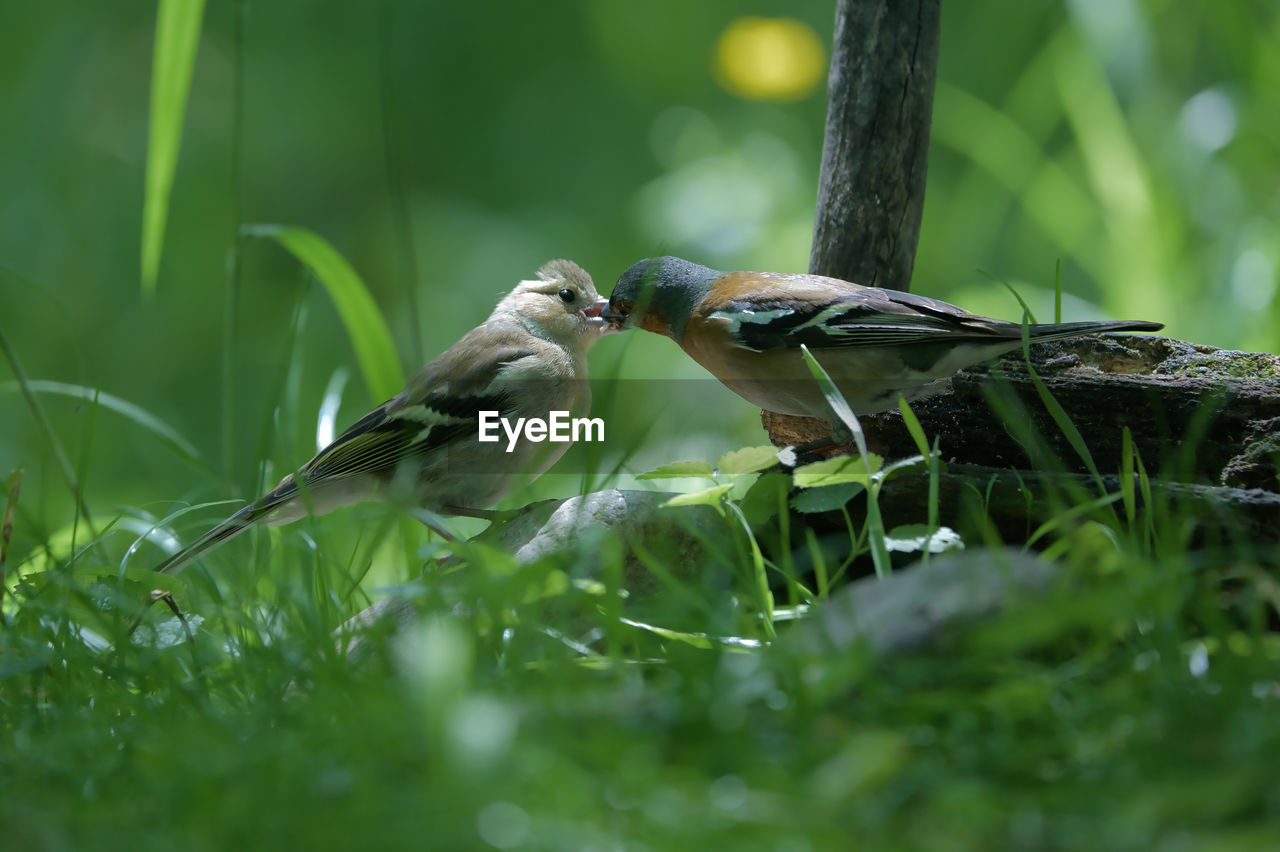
(931, 458)
(140, 416)
(174, 58)
(1144, 488)
(365, 325)
(698, 640)
(1059, 414)
(1127, 476)
(1026, 309)
(764, 597)
(819, 563)
(914, 429)
(840, 407)
(46, 428)
(1057, 292)
(747, 460)
(934, 473)
(1068, 516)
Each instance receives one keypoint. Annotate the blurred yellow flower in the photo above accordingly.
(779, 59)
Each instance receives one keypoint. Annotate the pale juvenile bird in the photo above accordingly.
(746, 328)
(526, 360)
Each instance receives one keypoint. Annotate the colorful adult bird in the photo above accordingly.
(422, 445)
(746, 328)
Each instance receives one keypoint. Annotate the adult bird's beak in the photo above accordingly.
(614, 316)
(592, 315)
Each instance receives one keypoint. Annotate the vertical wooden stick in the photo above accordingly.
(875, 156)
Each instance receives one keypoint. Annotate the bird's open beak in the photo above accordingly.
(592, 315)
(615, 317)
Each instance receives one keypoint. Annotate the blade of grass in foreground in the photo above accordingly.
(59, 454)
(841, 409)
(368, 331)
(1021, 302)
(931, 460)
(763, 595)
(1057, 292)
(174, 58)
(1059, 414)
(1127, 476)
(140, 416)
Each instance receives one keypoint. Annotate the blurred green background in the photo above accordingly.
(448, 149)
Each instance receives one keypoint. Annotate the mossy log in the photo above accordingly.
(1196, 413)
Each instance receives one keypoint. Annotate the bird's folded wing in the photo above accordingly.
(783, 314)
(441, 404)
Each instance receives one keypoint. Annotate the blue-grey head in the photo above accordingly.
(659, 294)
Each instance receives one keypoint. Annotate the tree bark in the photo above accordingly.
(875, 155)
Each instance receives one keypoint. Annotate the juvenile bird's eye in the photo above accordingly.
(567, 296)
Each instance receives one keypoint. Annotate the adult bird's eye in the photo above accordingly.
(567, 296)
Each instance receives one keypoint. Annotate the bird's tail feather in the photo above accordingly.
(1057, 330)
(228, 529)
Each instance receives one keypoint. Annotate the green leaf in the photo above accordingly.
(677, 470)
(766, 497)
(826, 498)
(173, 59)
(921, 538)
(742, 484)
(592, 587)
(706, 497)
(837, 471)
(748, 460)
(370, 337)
(492, 561)
(145, 577)
(552, 585)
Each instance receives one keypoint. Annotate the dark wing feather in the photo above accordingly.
(442, 403)
(769, 310)
(850, 316)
